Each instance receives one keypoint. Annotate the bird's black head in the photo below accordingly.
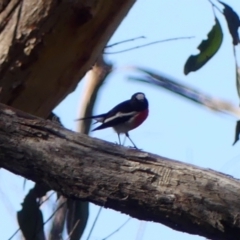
(139, 101)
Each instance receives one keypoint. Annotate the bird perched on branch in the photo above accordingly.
(125, 116)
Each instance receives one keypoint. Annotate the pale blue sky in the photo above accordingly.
(175, 128)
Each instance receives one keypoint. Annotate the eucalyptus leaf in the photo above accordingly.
(233, 22)
(237, 131)
(207, 49)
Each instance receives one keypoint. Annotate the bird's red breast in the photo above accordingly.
(140, 118)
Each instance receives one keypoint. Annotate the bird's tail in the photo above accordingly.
(98, 118)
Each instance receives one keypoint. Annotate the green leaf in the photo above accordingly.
(233, 22)
(237, 131)
(207, 49)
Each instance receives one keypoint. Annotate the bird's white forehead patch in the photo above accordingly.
(140, 96)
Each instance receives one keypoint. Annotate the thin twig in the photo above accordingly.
(51, 216)
(124, 41)
(215, 6)
(117, 229)
(14, 234)
(213, 10)
(148, 44)
(75, 225)
(141, 230)
(47, 198)
(94, 223)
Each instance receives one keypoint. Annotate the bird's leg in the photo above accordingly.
(127, 135)
(124, 140)
(119, 139)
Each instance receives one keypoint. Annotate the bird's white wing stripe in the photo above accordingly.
(119, 115)
(99, 119)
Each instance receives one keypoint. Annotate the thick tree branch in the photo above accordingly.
(46, 47)
(143, 185)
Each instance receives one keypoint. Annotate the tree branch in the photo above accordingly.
(95, 79)
(143, 185)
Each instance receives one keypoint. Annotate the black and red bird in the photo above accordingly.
(125, 116)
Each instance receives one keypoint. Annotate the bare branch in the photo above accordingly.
(124, 41)
(95, 79)
(70, 234)
(149, 44)
(94, 223)
(118, 229)
(14, 234)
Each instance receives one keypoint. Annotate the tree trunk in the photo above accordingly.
(143, 185)
(46, 47)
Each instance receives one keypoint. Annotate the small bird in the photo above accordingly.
(125, 116)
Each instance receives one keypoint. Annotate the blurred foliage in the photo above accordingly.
(233, 22)
(175, 86)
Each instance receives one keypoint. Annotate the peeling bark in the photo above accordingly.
(46, 47)
(146, 186)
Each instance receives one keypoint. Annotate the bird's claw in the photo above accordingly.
(134, 147)
(117, 143)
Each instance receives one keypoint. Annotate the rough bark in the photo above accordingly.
(46, 47)
(146, 186)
